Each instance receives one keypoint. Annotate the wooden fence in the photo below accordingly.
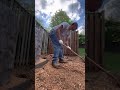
(73, 43)
(94, 39)
(25, 22)
(41, 41)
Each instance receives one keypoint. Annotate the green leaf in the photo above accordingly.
(59, 17)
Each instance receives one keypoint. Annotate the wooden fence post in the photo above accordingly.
(94, 39)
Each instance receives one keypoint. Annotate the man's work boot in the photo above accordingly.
(56, 65)
(62, 61)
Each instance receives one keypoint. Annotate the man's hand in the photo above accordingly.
(60, 41)
(69, 47)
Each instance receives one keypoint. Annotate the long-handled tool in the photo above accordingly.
(75, 53)
(97, 65)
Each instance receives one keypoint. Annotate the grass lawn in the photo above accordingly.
(112, 61)
(82, 52)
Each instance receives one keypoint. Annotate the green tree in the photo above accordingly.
(81, 40)
(59, 17)
(112, 33)
(113, 30)
(28, 5)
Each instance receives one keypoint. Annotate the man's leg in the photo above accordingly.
(61, 55)
(55, 63)
(56, 54)
(56, 46)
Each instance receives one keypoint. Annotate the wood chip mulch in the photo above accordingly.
(71, 75)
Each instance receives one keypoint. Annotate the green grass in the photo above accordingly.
(82, 52)
(112, 61)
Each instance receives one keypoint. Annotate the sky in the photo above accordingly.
(45, 9)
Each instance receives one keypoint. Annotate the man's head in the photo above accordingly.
(73, 26)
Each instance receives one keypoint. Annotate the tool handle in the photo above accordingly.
(75, 53)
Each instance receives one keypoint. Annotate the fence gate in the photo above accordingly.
(94, 39)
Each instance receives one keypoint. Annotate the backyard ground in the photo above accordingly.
(71, 75)
(101, 81)
(112, 61)
(82, 52)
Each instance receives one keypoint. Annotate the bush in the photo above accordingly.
(112, 35)
(81, 40)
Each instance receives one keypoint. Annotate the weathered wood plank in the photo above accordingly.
(72, 43)
(94, 39)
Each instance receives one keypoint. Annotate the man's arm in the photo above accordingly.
(58, 32)
(67, 40)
